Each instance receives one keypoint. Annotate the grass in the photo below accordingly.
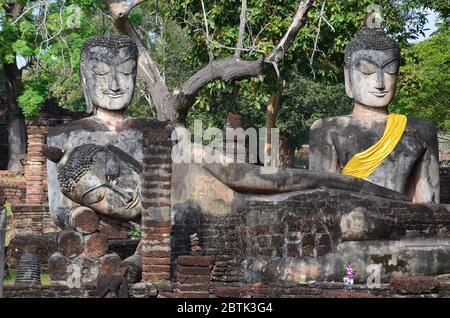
(11, 278)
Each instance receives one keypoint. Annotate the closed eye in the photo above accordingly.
(366, 67)
(126, 67)
(391, 67)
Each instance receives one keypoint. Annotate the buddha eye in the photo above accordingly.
(391, 67)
(126, 67)
(94, 195)
(101, 69)
(366, 67)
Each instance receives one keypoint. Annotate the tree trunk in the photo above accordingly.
(175, 106)
(17, 134)
(271, 118)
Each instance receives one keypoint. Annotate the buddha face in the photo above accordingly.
(108, 77)
(372, 78)
(102, 180)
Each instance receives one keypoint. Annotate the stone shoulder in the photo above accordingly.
(331, 122)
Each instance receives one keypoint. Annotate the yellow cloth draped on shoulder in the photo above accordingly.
(363, 164)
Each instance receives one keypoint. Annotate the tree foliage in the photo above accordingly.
(175, 34)
(424, 81)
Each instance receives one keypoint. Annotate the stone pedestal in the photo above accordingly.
(280, 237)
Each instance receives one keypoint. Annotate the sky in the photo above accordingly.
(432, 18)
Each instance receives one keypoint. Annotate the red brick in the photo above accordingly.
(261, 229)
(201, 261)
(191, 294)
(152, 195)
(192, 287)
(156, 261)
(156, 223)
(154, 237)
(263, 241)
(157, 178)
(192, 279)
(277, 240)
(191, 270)
(156, 230)
(157, 161)
(148, 133)
(231, 292)
(156, 268)
(147, 205)
(161, 254)
(154, 276)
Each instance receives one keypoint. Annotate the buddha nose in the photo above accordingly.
(380, 81)
(114, 83)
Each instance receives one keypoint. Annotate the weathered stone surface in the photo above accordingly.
(143, 290)
(58, 266)
(191, 294)
(193, 279)
(112, 229)
(96, 245)
(200, 261)
(415, 285)
(360, 225)
(110, 264)
(231, 292)
(70, 243)
(86, 267)
(84, 220)
(191, 270)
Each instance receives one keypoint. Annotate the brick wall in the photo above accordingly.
(402, 287)
(49, 291)
(445, 185)
(222, 239)
(14, 186)
(43, 245)
(33, 219)
(155, 195)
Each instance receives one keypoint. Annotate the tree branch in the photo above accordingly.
(242, 20)
(233, 68)
(298, 21)
(208, 40)
(176, 105)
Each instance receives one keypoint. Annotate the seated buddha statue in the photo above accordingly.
(393, 151)
(108, 68)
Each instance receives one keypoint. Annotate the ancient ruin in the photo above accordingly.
(230, 229)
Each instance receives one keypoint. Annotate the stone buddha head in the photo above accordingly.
(371, 68)
(103, 178)
(108, 69)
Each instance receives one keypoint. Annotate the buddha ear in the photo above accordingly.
(90, 109)
(348, 82)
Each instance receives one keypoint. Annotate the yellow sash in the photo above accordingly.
(363, 164)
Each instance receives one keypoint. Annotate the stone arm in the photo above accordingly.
(322, 154)
(424, 185)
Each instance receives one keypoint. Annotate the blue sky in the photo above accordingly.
(430, 26)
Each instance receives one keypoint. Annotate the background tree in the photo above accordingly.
(174, 34)
(424, 81)
(13, 77)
